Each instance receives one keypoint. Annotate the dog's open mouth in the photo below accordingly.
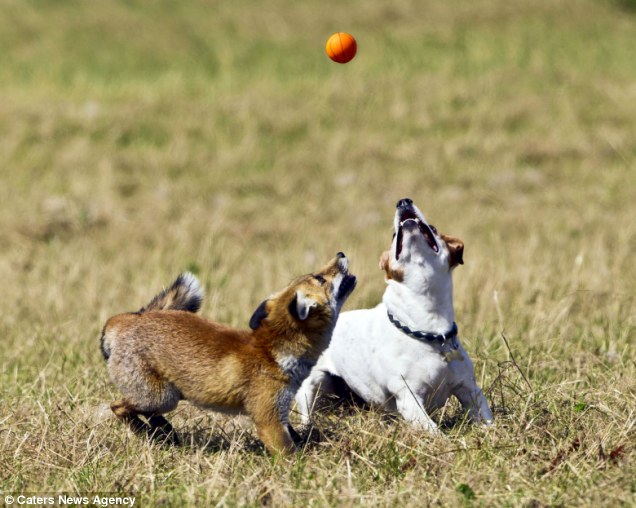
(407, 217)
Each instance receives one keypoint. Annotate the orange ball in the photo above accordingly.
(341, 47)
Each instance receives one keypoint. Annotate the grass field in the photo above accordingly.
(142, 138)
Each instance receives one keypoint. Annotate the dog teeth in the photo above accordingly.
(406, 220)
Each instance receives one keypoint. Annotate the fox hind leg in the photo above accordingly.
(146, 394)
(163, 429)
(157, 428)
(149, 399)
(129, 415)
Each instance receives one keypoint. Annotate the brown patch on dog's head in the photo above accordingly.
(385, 264)
(455, 249)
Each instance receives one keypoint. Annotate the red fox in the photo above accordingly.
(165, 353)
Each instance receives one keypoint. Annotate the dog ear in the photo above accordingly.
(384, 261)
(300, 306)
(397, 274)
(456, 249)
(259, 314)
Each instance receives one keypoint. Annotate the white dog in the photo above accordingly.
(404, 354)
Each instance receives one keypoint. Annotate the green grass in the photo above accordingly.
(139, 139)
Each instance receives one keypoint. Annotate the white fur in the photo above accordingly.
(386, 367)
(303, 305)
(193, 288)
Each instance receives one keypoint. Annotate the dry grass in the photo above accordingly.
(140, 139)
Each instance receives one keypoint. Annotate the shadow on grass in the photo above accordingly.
(215, 440)
(342, 403)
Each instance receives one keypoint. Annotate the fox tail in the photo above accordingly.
(185, 293)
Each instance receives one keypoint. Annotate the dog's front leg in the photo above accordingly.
(474, 402)
(318, 380)
(411, 407)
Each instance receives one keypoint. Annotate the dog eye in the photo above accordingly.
(320, 279)
(393, 235)
(433, 228)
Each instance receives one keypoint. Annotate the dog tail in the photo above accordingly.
(185, 293)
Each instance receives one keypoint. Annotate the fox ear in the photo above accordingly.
(301, 305)
(456, 249)
(259, 314)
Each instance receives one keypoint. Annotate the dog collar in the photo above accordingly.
(447, 340)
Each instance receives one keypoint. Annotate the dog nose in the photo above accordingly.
(403, 203)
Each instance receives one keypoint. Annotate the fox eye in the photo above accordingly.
(320, 279)
(433, 228)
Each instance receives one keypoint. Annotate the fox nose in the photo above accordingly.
(403, 203)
